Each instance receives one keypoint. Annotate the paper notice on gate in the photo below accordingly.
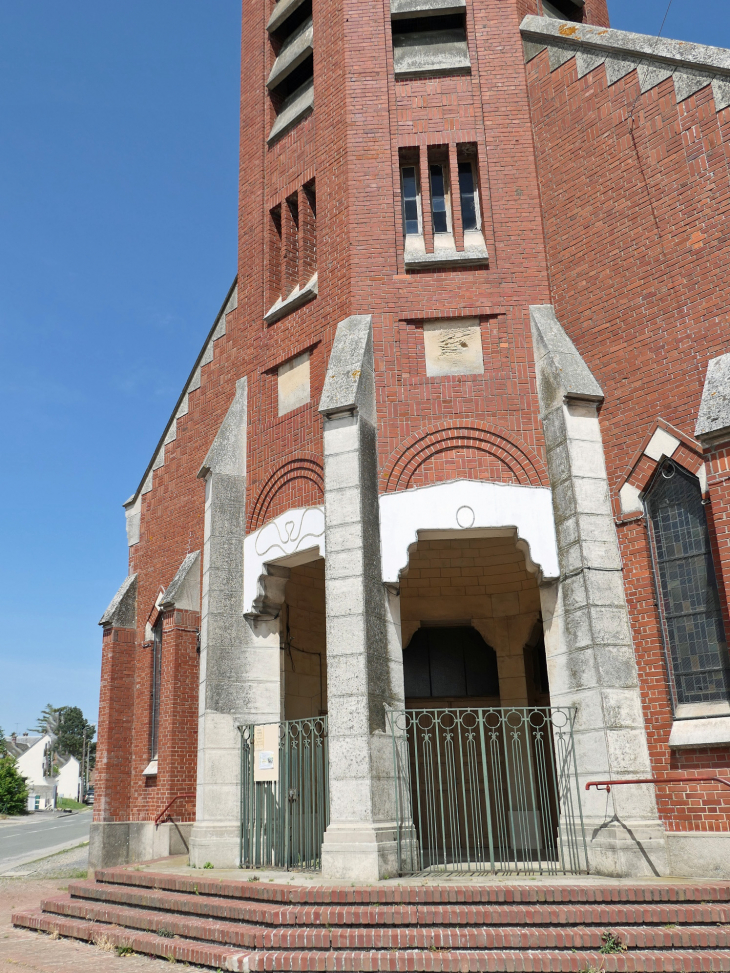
(266, 752)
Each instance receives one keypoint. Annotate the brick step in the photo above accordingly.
(180, 950)
(427, 938)
(253, 912)
(421, 894)
(448, 961)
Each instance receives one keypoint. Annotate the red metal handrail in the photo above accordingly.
(166, 808)
(606, 785)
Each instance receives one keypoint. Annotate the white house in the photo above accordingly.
(68, 779)
(32, 756)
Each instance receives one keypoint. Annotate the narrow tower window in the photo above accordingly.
(468, 195)
(688, 596)
(439, 198)
(411, 201)
(156, 684)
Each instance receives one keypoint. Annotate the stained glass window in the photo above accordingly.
(687, 588)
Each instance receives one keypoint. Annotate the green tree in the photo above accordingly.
(70, 733)
(13, 789)
(48, 721)
(3, 748)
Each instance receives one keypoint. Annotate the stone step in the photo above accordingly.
(517, 892)
(427, 938)
(446, 960)
(253, 912)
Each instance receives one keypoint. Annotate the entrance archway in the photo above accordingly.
(484, 753)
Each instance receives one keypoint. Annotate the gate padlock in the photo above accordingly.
(293, 794)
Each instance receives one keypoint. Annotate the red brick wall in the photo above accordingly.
(350, 145)
(116, 715)
(635, 219)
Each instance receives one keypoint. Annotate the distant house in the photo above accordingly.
(33, 755)
(68, 779)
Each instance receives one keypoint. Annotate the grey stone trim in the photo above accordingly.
(364, 661)
(563, 369)
(184, 590)
(402, 9)
(434, 52)
(471, 257)
(298, 298)
(113, 843)
(713, 419)
(227, 454)
(297, 106)
(295, 49)
(707, 732)
(349, 384)
(122, 610)
(282, 10)
(133, 516)
(693, 66)
(699, 854)
(193, 382)
(591, 662)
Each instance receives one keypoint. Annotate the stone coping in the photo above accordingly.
(174, 874)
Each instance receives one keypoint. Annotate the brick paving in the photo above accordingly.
(24, 950)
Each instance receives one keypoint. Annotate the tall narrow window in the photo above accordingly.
(156, 683)
(469, 199)
(411, 201)
(439, 198)
(689, 601)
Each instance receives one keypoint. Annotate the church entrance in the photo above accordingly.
(485, 767)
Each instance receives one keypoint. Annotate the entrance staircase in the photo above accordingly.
(521, 926)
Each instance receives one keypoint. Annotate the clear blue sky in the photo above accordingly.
(118, 159)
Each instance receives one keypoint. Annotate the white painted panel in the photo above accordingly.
(294, 537)
(467, 505)
(661, 444)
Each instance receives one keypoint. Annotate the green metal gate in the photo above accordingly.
(487, 790)
(284, 819)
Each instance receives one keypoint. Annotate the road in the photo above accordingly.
(41, 834)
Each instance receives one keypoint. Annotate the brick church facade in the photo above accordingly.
(472, 375)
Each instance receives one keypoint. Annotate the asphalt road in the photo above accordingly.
(41, 834)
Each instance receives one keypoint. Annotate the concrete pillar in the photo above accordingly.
(239, 657)
(364, 661)
(591, 662)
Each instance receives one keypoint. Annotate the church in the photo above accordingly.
(430, 568)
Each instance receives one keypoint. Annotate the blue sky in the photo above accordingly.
(118, 172)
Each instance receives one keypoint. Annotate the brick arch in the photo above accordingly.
(497, 456)
(301, 478)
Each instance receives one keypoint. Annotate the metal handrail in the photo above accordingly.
(605, 785)
(166, 808)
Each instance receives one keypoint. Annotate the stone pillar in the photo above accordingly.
(109, 837)
(364, 661)
(590, 654)
(239, 657)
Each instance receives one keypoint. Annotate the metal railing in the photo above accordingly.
(283, 820)
(166, 808)
(487, 790)
(606, 785)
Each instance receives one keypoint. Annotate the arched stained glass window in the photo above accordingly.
(687, 587)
